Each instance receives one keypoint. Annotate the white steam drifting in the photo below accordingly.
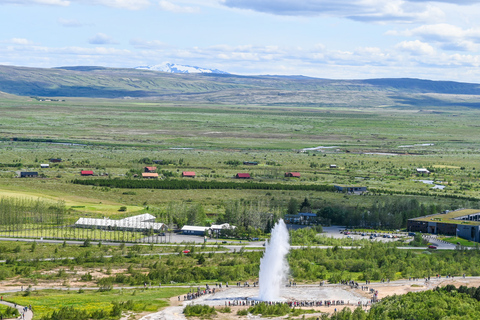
(273, 265)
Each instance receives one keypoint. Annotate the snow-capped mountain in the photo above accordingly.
(178, 68)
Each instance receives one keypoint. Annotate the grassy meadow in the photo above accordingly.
(46, 301)
(376, 147)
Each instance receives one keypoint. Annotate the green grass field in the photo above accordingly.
(461, 241)
(45, 301)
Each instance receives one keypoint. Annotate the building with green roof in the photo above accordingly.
(465, 223)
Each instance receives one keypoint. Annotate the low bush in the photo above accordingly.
(199, 310)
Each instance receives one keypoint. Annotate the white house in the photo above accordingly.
(423, 171)
(194, 230)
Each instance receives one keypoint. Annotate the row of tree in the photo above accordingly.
(177, 184)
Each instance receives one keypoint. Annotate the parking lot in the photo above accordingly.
(339, 232)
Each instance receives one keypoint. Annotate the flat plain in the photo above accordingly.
(379, 146)
(376, 147)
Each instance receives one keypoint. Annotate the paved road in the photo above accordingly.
(28, 315)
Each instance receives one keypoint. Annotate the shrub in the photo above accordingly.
(242, 312)
(10, 312)
(225, 310)
(270, 310)
(86, 277)
(199, 310)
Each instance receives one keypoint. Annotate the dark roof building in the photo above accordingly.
(300, 217)
(28, 174)
(350, 189)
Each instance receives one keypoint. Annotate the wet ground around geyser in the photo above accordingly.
(303, 293)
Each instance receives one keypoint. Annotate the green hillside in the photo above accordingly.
(100, 82)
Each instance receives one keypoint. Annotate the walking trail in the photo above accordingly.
(28, 315)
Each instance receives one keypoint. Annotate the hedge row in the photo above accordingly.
(174, 184)
(423, 193)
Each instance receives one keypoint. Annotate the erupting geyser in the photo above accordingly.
(274, 265)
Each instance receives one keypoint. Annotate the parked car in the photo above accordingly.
(186, 251)
(411, 234)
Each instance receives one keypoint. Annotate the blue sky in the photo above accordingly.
(338, 39)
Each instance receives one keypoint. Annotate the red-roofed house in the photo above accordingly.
(86, 173)
(150, 169)
(188, 174)
(292, 174)
(151, 175)
(243, 176)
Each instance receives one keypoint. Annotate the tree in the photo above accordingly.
(305, 206)
(292, 207)
(268, 228)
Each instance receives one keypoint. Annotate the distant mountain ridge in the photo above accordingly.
(178, 68)
(222, 88)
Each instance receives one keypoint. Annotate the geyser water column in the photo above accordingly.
(273, 265)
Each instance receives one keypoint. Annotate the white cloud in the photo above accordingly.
(439, 32)
(101, 38)
(416, 47)
(380, 11)
(407, 59)
(400, 11)
(21, 41)
(447, 36)
(124, 4)
(168, 6)
(144, 44)
(460, 46)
